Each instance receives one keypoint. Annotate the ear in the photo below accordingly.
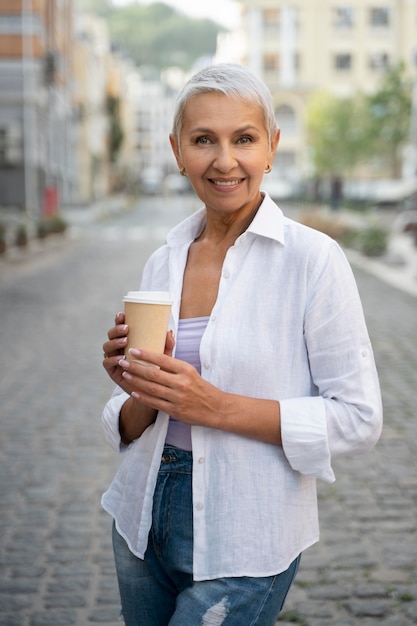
(176, 150)
(274, 142)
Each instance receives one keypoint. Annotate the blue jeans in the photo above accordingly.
(160, 591)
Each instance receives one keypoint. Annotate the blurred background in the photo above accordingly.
(87, 89)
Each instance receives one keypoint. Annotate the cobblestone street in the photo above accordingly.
(56, 562)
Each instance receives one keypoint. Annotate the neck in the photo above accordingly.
(226, 229)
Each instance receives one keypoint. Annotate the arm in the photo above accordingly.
(345, 414)
(176, 388)
(134, 419)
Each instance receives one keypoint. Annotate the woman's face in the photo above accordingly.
(224, 148)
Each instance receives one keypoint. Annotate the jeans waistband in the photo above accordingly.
(176, 459)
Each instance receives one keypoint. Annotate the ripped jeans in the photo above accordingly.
(160, 590)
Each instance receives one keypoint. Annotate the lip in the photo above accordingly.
(225, 184)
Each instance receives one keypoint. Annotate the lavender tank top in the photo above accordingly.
(190, 331)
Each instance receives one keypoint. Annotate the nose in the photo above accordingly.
(225, 159)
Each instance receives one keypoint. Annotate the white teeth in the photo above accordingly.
(226, 183)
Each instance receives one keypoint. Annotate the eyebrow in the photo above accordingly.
(244, 129)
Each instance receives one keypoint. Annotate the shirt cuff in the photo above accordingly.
(110, 419)
(304, 437)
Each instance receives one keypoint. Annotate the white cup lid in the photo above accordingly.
(148, 297)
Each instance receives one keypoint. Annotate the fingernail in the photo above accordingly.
(134, 352)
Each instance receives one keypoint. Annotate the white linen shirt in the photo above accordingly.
(287, 325)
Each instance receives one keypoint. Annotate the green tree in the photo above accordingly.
(337, 133)
(156, 35)
(103, 8)
(345, 132)
(389, 111)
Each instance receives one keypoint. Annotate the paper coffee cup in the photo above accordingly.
(147, 316)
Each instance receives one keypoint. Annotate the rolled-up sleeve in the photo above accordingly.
(110, 419)
(304, 438)
(346, 415)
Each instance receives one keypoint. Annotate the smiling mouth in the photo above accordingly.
(226, 183)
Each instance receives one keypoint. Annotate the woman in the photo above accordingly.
(270, 375)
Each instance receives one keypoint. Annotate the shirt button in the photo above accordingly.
(200, 506)
(206, 365)
(364, 353)
(226, 274)
(213, 318)
(201, 459)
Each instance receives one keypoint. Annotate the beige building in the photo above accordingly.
(341, 46)
(102, 79)
(91, 48)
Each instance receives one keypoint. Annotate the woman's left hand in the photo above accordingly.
(174, 387)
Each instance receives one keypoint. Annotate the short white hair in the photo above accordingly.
(232, 80)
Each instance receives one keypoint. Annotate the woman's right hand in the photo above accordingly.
(113, 350)
(134, 417)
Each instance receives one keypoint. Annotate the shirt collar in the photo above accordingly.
(268, 222)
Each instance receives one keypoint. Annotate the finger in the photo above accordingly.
(169, 343)
(146, 378)
(162, 361)
(120, 318)
(147, 384)
(114, 346)
(120, 330)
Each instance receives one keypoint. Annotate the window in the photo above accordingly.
(272, 19)
(276, 20)
(343, 61)
(378, 61)
(379, 17)
(343, 17)
(286, 119)
(271, 62)
(10, 144)
(17, 24)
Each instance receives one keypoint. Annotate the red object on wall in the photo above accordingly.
(50, 201)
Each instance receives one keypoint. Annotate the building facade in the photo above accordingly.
(91, 51)
(340, 46)
(36, 143)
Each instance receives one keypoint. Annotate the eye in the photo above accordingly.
(245, 139)
(203, 140)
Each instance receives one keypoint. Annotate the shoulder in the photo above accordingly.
(157, 260)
